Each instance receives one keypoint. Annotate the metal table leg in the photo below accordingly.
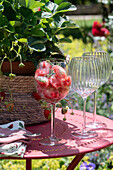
(75, 161)
(28, 164)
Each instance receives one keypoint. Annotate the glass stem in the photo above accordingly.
(94, 112)
(53, 122)
(84, 117)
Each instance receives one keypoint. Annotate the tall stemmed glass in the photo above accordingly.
(106, 71)
(52, 84)
(86, 75)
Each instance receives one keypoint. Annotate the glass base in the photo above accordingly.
(85, 135)
(52, 142)
(95, 125)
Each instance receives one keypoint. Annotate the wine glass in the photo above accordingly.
(106, 70)
(52, 84)
(86, 76)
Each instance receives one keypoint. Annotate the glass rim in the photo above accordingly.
(85, 58)
(95, 53)
(53, 59)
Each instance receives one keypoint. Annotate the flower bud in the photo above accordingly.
(21, 65)
(11, 75)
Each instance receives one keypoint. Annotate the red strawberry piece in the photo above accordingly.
(39, 9)
(10, 126)
(41, 72)
(66, 81)
(47, 113)
(2, 96)
(10, 107)
(42, 81)
(45, 64)
(36, 96)
(51, 93)
(40, 90)
(60, 72)
(55, 81)
(63, 92)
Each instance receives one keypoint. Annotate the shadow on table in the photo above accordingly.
(73, 146)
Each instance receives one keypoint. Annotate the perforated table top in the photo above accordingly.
(63, 129)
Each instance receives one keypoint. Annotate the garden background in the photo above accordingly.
(82, 41)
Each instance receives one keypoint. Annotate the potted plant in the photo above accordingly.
(29, 29)
(28, 32)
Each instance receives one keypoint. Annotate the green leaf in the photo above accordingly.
(46, 15)
(64, 22)
(1, 35)
(65, 40)
(1, 7)
(57, 49)
(34, 40)
(26, 13)
(31, 22)
(54, 39)
(33, 4)
(6, 42)
(69, 24)
(37, 32)
(12, 23)
(23, 40)
(38, 47)
(38, 14)
(11, 1)
(23, 2)
(10, 28)
(54, 48)
(65, 7)
(58, 20)
(21, 125)
(51, 7)
(9, 11)
(3, 21)
(59, 1)
(44, 1)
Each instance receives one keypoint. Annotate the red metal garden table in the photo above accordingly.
(73, 147)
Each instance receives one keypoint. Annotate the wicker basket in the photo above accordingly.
(26, 108)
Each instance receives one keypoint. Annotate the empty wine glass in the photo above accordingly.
(52, 84)
(106, 71)
(86, 75)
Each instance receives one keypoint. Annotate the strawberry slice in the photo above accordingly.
(63, 91)
(45, 64)
(66, 81)
(40, 90)
(51, 93)
(60, 72)
(41, 72)
(42, 81)
(55, 81)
